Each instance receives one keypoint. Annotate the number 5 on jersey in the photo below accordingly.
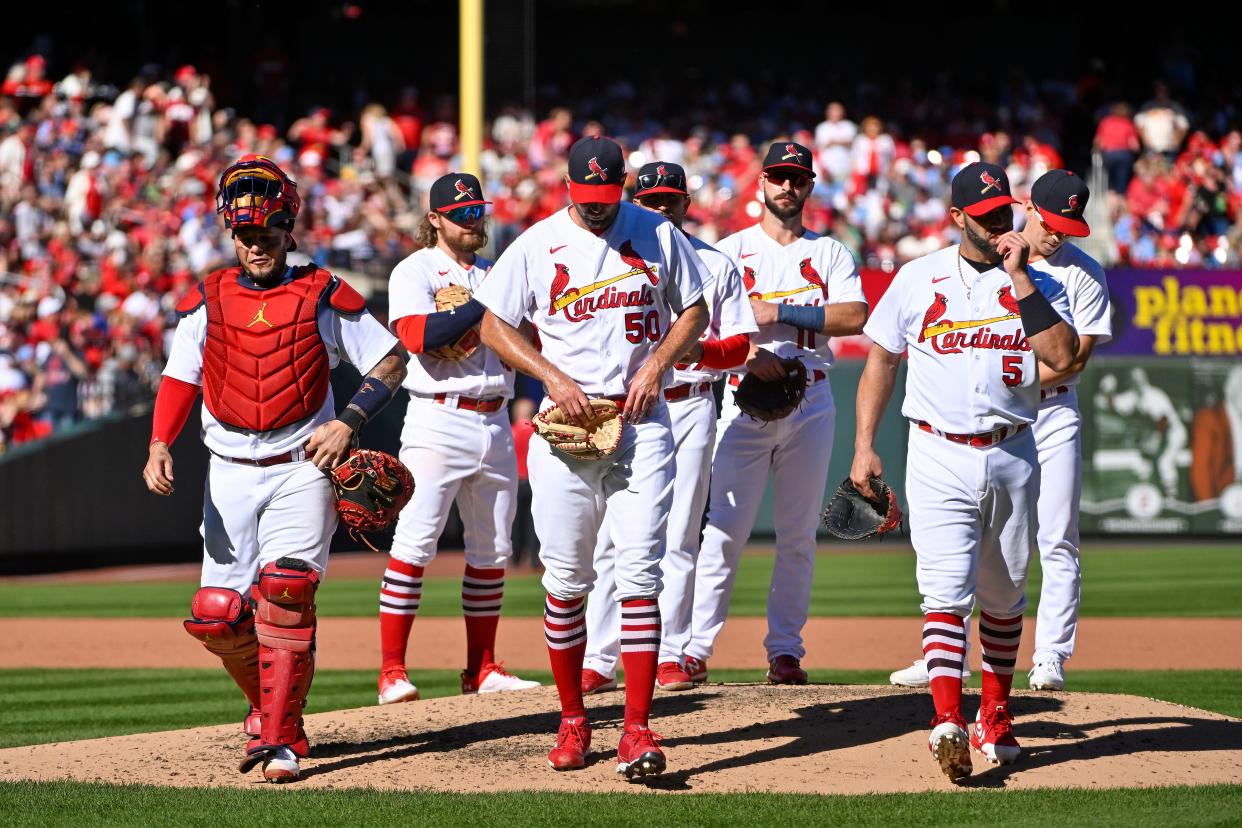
(1011, 370)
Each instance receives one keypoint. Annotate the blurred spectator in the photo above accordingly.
(834, 138)
(1162, 122)
(1117, 141)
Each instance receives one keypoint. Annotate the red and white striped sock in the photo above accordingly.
(564, 627)
(944, 651)
(400, 593)
(482, 591)
(640, 649)
(998, 639)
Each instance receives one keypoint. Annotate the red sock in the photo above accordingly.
(998, 639)
(640, 648)
(481, 594)
(400, 592)
(564, 626)
(944, 650)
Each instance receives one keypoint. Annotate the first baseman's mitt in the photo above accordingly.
(851, 516)
(371, 488)
(771, 400)
(448, 298)
(599, 438)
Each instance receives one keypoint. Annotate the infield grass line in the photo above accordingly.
(1177, 581)
(75, 804)
(42, 706)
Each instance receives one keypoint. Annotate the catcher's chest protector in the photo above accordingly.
(264, 363)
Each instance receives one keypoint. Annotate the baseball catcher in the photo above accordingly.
(853, 516)
(596, 438)
(773, 400)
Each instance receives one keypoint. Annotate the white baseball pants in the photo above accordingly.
(693, 422)
(796, 452)
(1058, 440)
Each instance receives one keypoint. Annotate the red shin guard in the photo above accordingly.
(286, 632)
(223, 621)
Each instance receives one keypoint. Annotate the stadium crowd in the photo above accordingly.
(107, 209)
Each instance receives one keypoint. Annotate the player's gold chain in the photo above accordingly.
(959, 272)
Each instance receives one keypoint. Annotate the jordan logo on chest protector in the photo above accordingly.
(259, 317)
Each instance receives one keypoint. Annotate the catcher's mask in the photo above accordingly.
(256, 191)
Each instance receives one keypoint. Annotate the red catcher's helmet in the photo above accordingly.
(256, 191)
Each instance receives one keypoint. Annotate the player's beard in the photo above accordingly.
(470, 241)
(982, 244)
(784, 211)
(599, 219)
(266, 275)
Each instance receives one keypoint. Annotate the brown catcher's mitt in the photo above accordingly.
(448, 298)
(599, 438)
(768, 401)
(371, 488)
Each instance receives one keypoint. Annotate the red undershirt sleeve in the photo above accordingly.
(410, 330)
(172, 408)
(725, 353)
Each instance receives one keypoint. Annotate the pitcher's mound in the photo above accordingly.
(815, 739)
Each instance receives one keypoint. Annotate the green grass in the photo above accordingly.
(75, 804)
(1176, 581)
(43, 706)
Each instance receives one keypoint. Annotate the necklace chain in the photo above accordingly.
(959, 273)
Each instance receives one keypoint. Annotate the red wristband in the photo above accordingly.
(172, 408)
(725, 353)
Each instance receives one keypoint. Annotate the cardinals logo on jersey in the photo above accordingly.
(1073, 204)
(792, 152)
(596, 170)
(578, 303)
(462, 191)
(631, 258)
(939, 306)
(748, 281)
(1005, 297)
(808, 272)
(989, 181)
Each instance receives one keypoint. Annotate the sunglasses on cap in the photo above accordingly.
(251, 235)
(779, 177)
(669, 179)
(458, 215)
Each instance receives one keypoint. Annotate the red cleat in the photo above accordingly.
(573, 743)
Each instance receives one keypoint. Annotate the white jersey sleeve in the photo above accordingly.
(185, 358)
(358, 339)
(687, 275)
(727, 304)
(890, 318)
(507, 291)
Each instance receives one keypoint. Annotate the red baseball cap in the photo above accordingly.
(596, 171)
(980, 188)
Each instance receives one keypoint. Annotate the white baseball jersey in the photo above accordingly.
(971, 366)
(602, 303)
(411, 290)
(1086, 289)
(726, 302)
(814, 270)
(358, 339)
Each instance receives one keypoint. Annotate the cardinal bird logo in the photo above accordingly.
(559, 282)
(660, 171)
(792, 152)
(462, 190)
(989, 181)
(1007, 301)
(596, 169)
(808, 272)
(748, 280)
(938, 307)
(1073, 204)
(631, 258)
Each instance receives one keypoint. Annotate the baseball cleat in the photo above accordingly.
(670, 676)
(395, 686)
(785, 669)
(593, 682)
(992, 735)
(493, 678)
(916, 675)
(639, 753)
(951, 747)
(281, 766)
(573, 743)
(1047, 675)
(253, 723)
(696, 668)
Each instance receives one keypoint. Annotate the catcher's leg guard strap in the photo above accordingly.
(221, 619)
(286, 632)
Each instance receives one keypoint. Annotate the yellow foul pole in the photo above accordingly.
(471, 75)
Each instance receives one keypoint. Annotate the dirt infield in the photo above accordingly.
(816, 739)
(832, 643)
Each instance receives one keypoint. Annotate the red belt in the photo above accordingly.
(981, 440)
(471, 404)
(292, 456)
(812, 377)
(686, 389)
(1046, 393)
